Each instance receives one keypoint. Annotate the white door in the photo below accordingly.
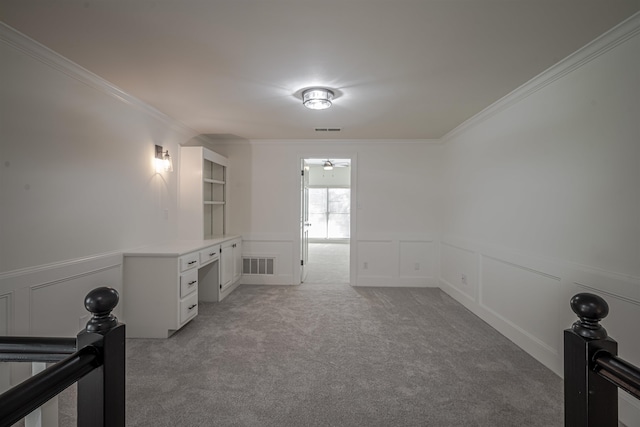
(237, 260)
(227, 265)
(304, 221)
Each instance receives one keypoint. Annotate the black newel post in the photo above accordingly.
(101, 393)
(589, 399)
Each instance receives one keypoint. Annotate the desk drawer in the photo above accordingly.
(209, 254)
(188, 261)
(188, 282)
(188, 307)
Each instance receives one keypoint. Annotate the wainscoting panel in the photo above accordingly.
(49, 300)
(459, 269)
(5, 371)
(281, 251)
(375, 259)
(528, 299)
(396, 260)
(5, 313)
(417, 259)
(63, 300)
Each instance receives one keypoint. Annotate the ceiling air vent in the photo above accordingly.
(328, 129)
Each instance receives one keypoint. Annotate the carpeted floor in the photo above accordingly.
(328, 263)
(333, 355)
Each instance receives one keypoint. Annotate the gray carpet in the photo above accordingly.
(328, 263)
(333, 355)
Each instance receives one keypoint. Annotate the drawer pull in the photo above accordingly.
(192, 306)
(212, 254)
(192, 262)
(192, 282)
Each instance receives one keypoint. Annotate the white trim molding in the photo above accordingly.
(607, 41)
(27, 45)
(340, 142)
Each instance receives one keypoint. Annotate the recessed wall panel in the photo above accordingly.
(63, 301)
(375, 259)
(416, 259)
(5, 305)
(456, 262)
(529, 300)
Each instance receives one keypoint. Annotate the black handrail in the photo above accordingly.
(592, 370)
(619, 372)
(30, 394)
(35, 349)
(98, 366)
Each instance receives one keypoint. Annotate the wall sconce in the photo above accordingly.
(163, 160)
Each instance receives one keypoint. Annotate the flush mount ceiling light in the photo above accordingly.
(317, 98)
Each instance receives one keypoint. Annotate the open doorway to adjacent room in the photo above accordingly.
(325, 221)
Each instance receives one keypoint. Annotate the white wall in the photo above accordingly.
(397, 190)
(542, 200)
(77, 185)
(535, 200)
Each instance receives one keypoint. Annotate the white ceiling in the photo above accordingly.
(401, 69)
(321, 162)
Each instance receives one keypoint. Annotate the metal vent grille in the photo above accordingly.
(328, 129)
(258, 265)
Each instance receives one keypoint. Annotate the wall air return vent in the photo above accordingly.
(328, 129)
(258, 265)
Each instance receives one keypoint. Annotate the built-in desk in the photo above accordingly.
(163, 283)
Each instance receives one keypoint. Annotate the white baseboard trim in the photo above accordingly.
(282, 279)
(396, 282)
(525, 341)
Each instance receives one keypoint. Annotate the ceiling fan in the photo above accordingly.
(329, 165)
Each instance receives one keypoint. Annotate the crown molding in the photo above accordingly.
(607, 41)
(340, 141)
(36, 50)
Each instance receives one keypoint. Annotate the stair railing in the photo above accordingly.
(592, 370)
(95, 359)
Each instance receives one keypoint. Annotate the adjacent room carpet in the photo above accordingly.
(333, 355)
(328, 263)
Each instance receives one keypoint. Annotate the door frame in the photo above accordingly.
(304, 220)
(353, 247)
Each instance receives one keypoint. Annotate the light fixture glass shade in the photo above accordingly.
(167, 162)
(317, 98)
(163, 160)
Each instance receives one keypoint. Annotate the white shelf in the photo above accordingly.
(214, 181)
(207, 188)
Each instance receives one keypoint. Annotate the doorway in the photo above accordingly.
(326, 200)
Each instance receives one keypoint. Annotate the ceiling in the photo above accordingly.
(400, 69)
(321, 162)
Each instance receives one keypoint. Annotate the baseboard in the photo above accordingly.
(396, 282)
(521, 338)
(281, 279)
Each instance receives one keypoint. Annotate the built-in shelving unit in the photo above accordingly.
(164, 284)
(203, 193)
